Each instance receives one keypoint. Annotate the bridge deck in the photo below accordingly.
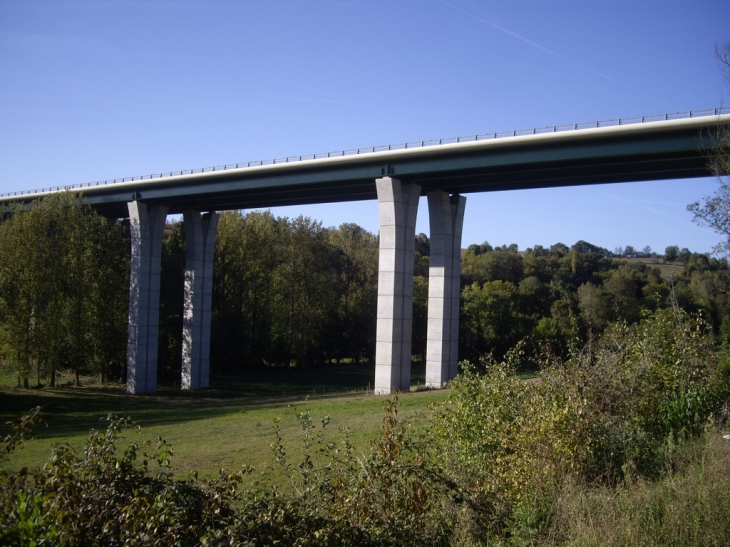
(666, 149)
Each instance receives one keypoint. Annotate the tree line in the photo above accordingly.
(286, 292)
(569, 295)
(289, 292)
(292, 293)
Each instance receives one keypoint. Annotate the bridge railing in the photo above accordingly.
(383, 148)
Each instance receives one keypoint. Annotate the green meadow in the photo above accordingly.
(227, 426)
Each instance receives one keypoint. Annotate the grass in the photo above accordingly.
(227, 426)
(689, 506)
(232, 425)
(669, 270)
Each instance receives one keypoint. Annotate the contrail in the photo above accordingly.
(656, 211)
(554, 53)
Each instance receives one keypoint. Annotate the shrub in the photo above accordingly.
(508, 442)
(106, 498)
(393, 496)
(620, 406)
(504, 459)
(109, 495)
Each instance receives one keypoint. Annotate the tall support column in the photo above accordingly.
(397, 205)
(200, 233)
(147, 224)
(446, 216)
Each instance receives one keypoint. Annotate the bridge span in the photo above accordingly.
(624, 150)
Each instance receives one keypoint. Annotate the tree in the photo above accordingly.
(356, 267)
(245, 258)
(305, 298)
(671, 253)
(499, 264)
(63, 289)
(172, 298)
(492, 318)
(585, 247)
(714, 211)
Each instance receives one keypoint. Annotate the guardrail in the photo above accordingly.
(383, 148)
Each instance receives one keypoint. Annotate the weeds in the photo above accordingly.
(616, 446)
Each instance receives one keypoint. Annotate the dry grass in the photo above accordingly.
(669, 270)
(689, 506)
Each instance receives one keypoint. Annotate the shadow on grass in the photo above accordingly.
(72, 410)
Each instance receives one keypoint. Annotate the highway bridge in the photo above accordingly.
(668, 146)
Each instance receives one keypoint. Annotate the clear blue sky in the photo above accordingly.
(92, 90)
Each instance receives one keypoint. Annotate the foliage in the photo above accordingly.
(509, 442)
(503, 461)
(21, 432)
(120, 503)
(713, 212)
(391, 496)
(568, 296)
(688, 506)
(493, 319)
(63, 289)
(289, 292)
(621, 406)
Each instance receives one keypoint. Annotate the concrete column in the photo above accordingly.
(200, 233)
(446, 216)
(397, 205)
(147, 224)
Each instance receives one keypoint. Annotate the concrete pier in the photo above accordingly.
(397, 206)
(446, 217)
(200, 233)
(147, 224)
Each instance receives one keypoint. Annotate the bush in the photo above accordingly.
(109, 496)
(505, 459)
(106, 498)
(509, 443)
(393, 496)
(619, 407)
(686, 507)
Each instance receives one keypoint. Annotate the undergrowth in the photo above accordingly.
(619, 445)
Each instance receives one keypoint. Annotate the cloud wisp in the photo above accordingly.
(639, 204)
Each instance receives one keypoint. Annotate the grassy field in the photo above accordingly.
(669, 270)
(229, 425)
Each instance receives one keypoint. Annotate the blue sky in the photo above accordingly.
(91, 90)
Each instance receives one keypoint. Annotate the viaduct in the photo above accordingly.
(669, 146)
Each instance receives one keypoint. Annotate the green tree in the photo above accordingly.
(63, 282)
(305, 298)
(671, 253)
(107, 294)
(496, 265)
(245, 258)
(172, 298)
(714, 211)
(356, 265)
(492, 319)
